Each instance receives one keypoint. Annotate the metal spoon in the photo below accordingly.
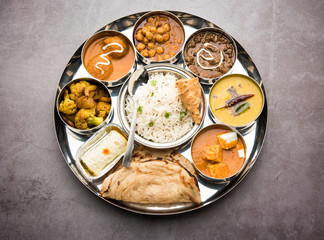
(138, 78)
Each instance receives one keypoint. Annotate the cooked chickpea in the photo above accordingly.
(179, 40)
(174, 47)
(151, 53)
(160, 30)
(166, 56)
(145, 40)
(144, 30)
(140, 47)
(153, 29)
(150, 20)
(159, 58)
(166, 36)
(158, 24)
(166, 27)
(159, 38)
(139, 31)
(149, 35)
(159, 49)
(145, 53)
(139, 37)
(150, 45)
(171, 53)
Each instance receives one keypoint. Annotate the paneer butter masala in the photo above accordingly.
(218, 153)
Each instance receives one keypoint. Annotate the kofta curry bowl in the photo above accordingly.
(218, 152)
(209, 53)
(109, 56)
(158, 36)
(84, 105)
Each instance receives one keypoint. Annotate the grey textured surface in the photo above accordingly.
(282, 197)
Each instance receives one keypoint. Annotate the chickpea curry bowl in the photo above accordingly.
(84, 105)
(158, 36)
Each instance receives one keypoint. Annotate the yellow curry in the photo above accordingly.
(236, 100)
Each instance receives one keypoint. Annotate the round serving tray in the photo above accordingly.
(254, 136)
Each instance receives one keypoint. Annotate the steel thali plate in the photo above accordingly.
(254, 136)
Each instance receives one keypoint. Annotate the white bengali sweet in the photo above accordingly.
(104, 152)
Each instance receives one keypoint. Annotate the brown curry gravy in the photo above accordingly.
(230, 157)
(121, 66)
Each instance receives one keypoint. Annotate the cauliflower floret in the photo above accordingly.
(103, 109)
(67, 106)
(81, 118)
(78, 88)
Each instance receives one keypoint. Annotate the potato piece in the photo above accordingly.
(213, 153)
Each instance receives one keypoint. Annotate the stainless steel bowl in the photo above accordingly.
(160, 68)
(210, 81)
(219, 180)
(91, 142)
(147, 60)
(239, 127)
(61, 96)
(103, 34)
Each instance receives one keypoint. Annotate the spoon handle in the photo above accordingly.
(130, 142)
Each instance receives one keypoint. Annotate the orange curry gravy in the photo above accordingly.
(110, 63)
(230, 157)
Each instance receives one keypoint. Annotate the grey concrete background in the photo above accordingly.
(281, 198)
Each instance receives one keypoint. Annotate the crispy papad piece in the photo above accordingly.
(152, 181)
(142, 153)
(190, 95)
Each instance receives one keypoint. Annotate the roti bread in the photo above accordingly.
(152, 180)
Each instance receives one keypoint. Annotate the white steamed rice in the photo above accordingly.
(165, 99)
